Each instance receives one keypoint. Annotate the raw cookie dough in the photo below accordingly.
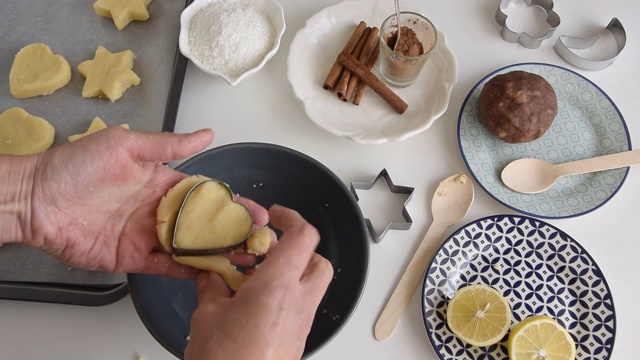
(36, 71)
(123, 11)
(165, 222)
(96, 125)
(107, 74)
(517, 106)
(22, 133)
(167, 211)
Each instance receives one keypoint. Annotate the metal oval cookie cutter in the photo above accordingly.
(564, 44)
(526, 40)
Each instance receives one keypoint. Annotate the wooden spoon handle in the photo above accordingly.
(606, 162)
(410, 279)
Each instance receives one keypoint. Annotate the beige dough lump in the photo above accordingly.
(96, 125)
(108, 74)
(166, 215)
(257, 243)
(37, 71)
(22, 133)
(123, 11)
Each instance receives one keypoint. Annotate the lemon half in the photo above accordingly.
(479, 315)
(540, 337)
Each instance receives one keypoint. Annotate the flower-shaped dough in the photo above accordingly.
(123, 11)
(108, 75)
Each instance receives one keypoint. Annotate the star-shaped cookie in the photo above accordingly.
(108, 75)
(123, 11)
(96, 125)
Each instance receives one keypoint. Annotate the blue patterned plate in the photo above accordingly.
(588, 124)
(539, 269)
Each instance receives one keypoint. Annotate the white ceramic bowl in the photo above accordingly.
(270, 8)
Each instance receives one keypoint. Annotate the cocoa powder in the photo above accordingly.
(409, 45)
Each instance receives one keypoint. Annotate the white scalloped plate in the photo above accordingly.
(313, 52)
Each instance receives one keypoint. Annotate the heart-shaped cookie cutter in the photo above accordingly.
(526, 40)
(178, 251)
(564, 44)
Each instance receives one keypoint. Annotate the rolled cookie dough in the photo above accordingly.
(22, 133)
(36, 71)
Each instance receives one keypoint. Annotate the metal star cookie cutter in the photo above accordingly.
(396, 189)
(564, 44)
(526, 40)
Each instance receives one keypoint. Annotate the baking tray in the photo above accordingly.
(72, 29)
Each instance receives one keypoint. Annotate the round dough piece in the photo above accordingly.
(22, 133)
(517, 106)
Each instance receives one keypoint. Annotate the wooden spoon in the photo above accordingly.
(450, 203)
(532, 176)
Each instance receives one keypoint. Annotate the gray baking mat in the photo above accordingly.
(72, 29)
(23, 264)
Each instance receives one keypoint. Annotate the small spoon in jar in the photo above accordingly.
(531, 176)
(397, 22)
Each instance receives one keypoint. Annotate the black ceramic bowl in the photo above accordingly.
(270, 174)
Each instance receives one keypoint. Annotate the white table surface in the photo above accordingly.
(263, 108)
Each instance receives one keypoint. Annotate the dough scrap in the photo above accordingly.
(218, 264)
(123, 11)
(22, 133)
(37, 71)
(259, 241)
(108, 74)
(96, 125)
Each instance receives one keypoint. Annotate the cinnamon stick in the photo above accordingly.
(343, 82)
(365, 75)
(361, 85)
(334, 74)
(372, 40)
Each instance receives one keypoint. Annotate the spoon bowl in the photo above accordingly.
(450, 203)
(452, 199)
(529, 175)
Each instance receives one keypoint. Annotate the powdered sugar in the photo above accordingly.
(230, 38)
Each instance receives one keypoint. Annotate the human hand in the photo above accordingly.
(94, 201)
(271, 314)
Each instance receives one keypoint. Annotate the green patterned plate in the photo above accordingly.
(588, 124)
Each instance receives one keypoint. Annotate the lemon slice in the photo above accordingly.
(479, 315)
(540, 337)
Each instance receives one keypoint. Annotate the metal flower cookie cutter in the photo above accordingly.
(396, 189)
(564, 44)
(526, 40)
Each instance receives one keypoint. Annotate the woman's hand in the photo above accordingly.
(93, 201)
(271, 314)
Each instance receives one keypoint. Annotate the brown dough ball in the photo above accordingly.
(517, 106)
